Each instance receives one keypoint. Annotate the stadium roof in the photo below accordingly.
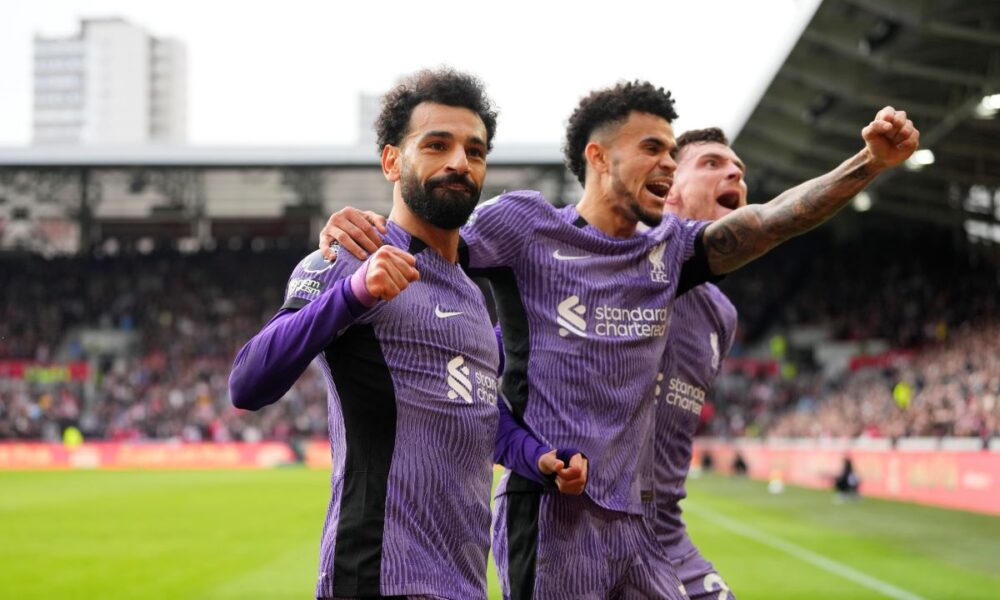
(237, 156)
(937, 59)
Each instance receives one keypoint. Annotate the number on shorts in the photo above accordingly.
(714, 583)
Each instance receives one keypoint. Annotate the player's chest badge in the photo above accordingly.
(658, 272)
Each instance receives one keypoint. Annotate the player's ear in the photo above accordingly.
(597, 157)
(391, 162)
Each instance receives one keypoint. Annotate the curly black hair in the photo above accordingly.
(611, 105)
(699, 136)
(442, 86)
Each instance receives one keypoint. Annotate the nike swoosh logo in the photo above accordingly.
(556, 255)
(444, 314)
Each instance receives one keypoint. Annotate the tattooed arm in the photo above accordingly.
(749, 232)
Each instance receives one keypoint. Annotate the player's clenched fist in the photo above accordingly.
(571, 478)
(891, 138)
(390, 270)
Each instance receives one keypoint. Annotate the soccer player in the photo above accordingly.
(410, 357)
(708, 185)
(584, 303)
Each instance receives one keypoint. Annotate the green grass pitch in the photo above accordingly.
(255, 534)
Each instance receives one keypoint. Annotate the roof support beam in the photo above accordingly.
(800, 142)
(886, 64)
(776, 159)
(797, 111)
(912, 15)
(845, 87)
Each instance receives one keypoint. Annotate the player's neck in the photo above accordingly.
(605, 214)
(442, 241)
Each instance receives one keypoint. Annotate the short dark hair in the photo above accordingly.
(442, 86)
(610, 105)
(702, 136)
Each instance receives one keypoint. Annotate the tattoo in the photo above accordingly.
(792, 218)
(749, 232)
(722, 240)
(859, 173)
(734, 237)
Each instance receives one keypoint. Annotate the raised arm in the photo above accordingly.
(267, 366)
(749, 232)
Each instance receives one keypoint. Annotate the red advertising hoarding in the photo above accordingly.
(44, 373)
(968, 480)
(152, 455)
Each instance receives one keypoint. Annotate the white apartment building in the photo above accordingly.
(112, 83)
(370, 106)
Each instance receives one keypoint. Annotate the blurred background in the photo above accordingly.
(163, 167)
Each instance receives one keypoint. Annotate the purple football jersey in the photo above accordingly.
(584, 317)
(700, 337)
(412, 393)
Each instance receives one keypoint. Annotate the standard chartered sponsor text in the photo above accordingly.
(614, 321)
(685, 396)
(486, 388)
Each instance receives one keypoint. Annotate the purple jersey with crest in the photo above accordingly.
(584, 317)
(701, 334)
(412, 393)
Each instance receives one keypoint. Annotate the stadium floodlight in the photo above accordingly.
(988, 107)
(862, 202)
(920, 159)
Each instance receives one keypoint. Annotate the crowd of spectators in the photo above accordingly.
(902, 291)
(952, 389)
(938, 312)
(187, 315)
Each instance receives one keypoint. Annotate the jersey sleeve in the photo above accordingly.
(314, 275)
(319, 305)
(503, 356)
(498, 230)
(694, 268)
(516, 448)
(730, 321)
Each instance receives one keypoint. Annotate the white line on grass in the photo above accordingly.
(804, 554)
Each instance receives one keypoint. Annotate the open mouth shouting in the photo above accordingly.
(730, 200)
(659, 187)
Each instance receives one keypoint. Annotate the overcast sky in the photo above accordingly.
(289, 72)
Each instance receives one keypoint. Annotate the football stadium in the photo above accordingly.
(653, 359)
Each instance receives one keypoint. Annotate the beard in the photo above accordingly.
(440, 206)
(647, 218)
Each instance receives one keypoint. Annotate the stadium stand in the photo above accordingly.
(932, 315)
(186, 315)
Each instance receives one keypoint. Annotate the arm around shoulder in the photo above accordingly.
(496, 232)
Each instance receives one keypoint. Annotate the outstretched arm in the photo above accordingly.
(749, 232)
